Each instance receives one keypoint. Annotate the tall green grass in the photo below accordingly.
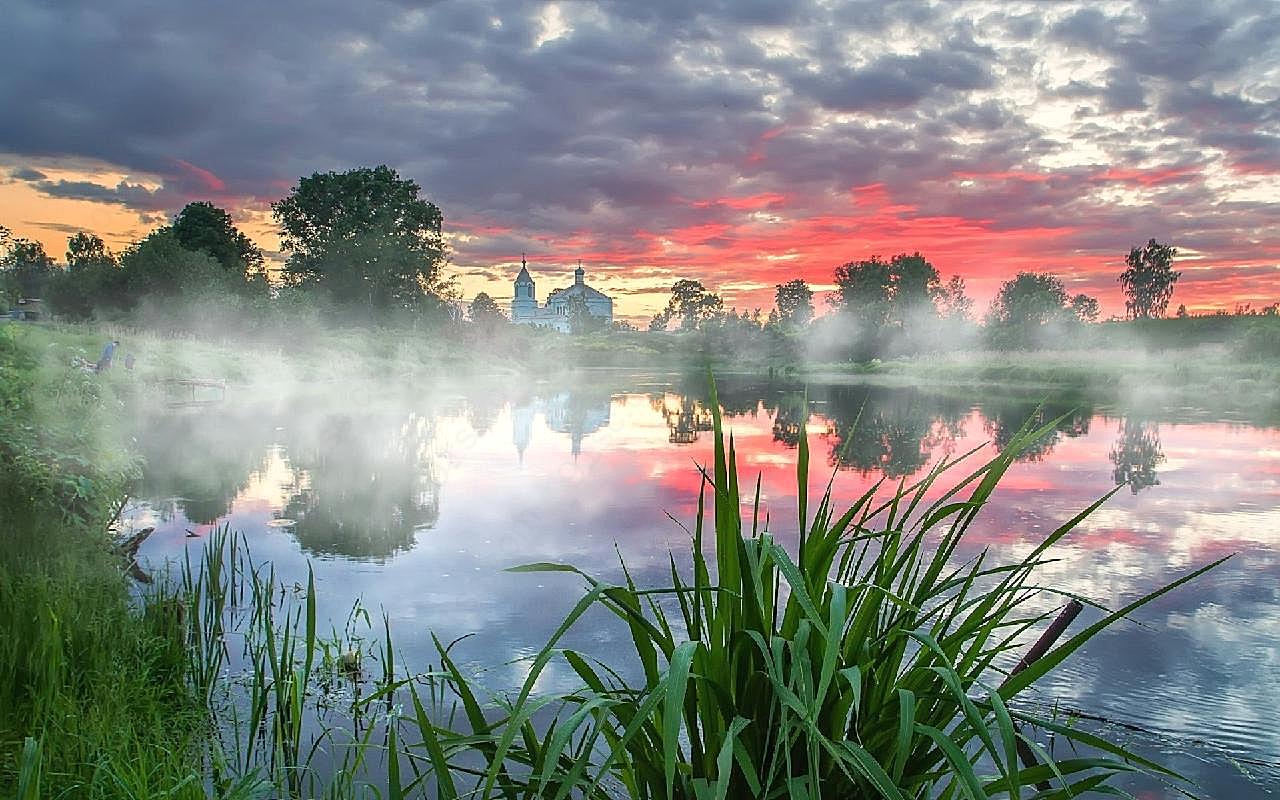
(869, 661)
(93, 694)
(867, 665)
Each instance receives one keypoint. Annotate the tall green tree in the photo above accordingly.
(794, 301)
(205, 228)
(364, 235)
(1033, 308)
(691, 304)
(865, 291)
(27, 266)
(581, 320)
(92, 280)
(86, 250)
(954, 304)
(160, 265)
(1148, 280)
(916, 287)
(485, 310)
(1085, 307)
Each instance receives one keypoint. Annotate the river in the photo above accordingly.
(414, 500)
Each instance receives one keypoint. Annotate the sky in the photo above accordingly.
(741, 143)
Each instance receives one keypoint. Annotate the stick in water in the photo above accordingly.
(1037, 651)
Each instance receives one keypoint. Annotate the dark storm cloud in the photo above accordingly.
(125, 194)
(27, 174)
(623, 118)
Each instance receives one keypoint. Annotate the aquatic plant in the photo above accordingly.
(869, 665)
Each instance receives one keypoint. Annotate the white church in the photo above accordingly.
(555, 314)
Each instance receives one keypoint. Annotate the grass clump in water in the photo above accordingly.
(869, 665)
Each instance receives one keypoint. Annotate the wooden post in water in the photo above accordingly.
(1037, 651)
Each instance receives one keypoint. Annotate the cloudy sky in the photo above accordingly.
(740, 143)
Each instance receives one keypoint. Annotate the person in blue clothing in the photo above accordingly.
(108, 353)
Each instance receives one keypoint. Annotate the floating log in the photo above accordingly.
(129, 547)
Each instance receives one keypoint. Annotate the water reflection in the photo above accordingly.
(1136, 454)
(200, 459)
(418, 505)
(1004, 418)
(577, 412)
(891, 431)
(365, 485)
(686, 418)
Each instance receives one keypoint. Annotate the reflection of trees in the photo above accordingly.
(366, 485)
(789, 416)
(1006, 417)
(686, 418)
(1136, 454)
(201, 458)
(893, 431)
(484, 404)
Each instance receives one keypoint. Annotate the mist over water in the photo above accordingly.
(414, 499)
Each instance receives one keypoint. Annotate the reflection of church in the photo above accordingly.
(576, 413)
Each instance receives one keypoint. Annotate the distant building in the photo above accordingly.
(555, 314)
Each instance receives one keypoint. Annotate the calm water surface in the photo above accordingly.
(415, 500)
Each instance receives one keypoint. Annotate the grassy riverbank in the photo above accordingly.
(1234, 360)
(1209, 376)
(93, 701)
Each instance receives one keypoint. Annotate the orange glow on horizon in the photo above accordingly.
(751, 241)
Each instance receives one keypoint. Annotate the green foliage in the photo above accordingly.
(1033, 310)
(954, 304)
(160, 266)
(1085, 308)
(860, 667)
(894, 305)
(691, 304)
(91, 691)
(26, 266)
(92, 280)
(1148, 280)
(88, 250)
(794, 303)
(485, 311)
(1261, 341)
(365, 237)
(581, 320)
(202, 227)
(865, 291)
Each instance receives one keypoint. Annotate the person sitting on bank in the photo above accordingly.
(108, 353)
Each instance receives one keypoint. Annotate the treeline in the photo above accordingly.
(901, 306)
(357, 243)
